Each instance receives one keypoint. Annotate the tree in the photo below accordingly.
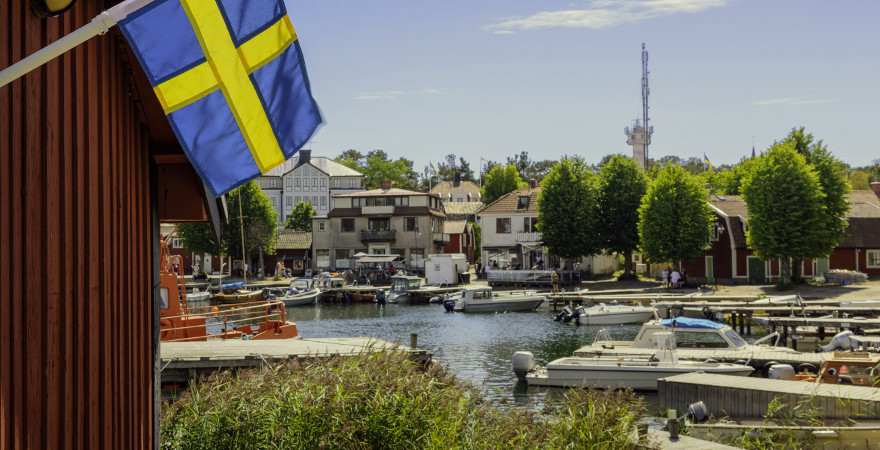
(499, 180)
(378, 167)
(730, 180)
(786, 207)
(300, 219)
(835, 186)
(529, 169)
(622, 185)
(674, 217)
(567, 210)
(199, 238)
(451, 166)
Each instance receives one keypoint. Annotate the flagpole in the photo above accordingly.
(97, 26)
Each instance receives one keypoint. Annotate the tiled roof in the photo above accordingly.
(381, 193)
(462, 208)
(454, 226)
(294, 240)
(444, 188)
(508, 202)
(864, 204)
(326, 165)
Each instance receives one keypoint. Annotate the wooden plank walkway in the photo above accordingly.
(184, 360)
(748, 397)
(756, 358)
(663, 442)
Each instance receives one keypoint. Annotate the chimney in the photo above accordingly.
(456, 180)
(386, 184)
(875, 186)
(304, 157)
(533, 183)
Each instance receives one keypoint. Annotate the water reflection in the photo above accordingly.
(476, 347)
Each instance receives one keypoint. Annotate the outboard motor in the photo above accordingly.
(576, 315)
(380, 297)
(523, 363)
(840, 341)
(564, 315)
(449, 305)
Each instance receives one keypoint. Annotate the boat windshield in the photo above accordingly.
(301, 284)
(735, 339)
(398, 284)
(415, 283)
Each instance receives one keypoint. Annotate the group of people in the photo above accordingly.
(672, 279)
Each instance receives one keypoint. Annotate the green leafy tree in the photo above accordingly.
(530, 169)
(833, 179)
(199, 238)
(786, 207)
(622, 185)
(674, 217)
(567, 210)
(378, 167)
(860, 179)
(451, 166)
(300, 219)
(499, 180)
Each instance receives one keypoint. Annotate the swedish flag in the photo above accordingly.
(231, 78)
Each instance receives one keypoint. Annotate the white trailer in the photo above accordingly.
(444, 268)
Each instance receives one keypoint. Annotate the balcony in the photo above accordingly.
(441, 238)
(377, 210)
(378, 235)
(529, 237)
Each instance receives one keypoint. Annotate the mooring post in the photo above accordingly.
(749, 325)
(742, 323)
(413, 340)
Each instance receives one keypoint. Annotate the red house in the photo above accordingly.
(729, 260)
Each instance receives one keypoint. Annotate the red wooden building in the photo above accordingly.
(729, 260)
(88, 168)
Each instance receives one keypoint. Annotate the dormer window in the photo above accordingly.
(522, 202)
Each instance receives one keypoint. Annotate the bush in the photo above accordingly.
(381, 400)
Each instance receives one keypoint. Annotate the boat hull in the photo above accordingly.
(616, 318)
(305, 299)
(511, 305)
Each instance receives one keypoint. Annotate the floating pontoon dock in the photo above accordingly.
(182, 361)
(748, 397)
(755, 358)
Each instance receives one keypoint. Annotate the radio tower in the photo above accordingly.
(639, 136)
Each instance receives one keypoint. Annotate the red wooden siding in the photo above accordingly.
(75, 244)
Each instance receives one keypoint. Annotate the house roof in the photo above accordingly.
(454, 226)
(398, 211)
(294, 240)
(462, 208)
(444, 188)
(326, 165)
(508, 202)
(382, 193)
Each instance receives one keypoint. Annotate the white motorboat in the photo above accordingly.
(638, 373)
(603, 314)
(198, 297)
(486, 300)
(302, 292)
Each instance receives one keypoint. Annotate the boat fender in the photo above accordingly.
(768, 366)
(523, 363)
(698, 412)
(781, 372)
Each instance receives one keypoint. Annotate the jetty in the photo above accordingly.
(748, 397)
(183, 361)
(755, 358)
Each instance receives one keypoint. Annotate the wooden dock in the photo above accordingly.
(758, 358)
(661, 439)
(748, 397)
(182, 361)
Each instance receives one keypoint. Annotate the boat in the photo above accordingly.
(637, 373)
(239, 296)
(476, 300)
(401, 286)
(180, 321)
(697, 339)
(302, 292)
(198, 296)
(603, 314)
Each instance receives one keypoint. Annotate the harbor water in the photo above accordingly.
(477, 348)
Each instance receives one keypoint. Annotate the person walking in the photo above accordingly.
(665, 276)
(675, 278)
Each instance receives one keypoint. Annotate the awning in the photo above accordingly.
(377, 258)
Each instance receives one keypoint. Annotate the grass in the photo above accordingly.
(382, 401)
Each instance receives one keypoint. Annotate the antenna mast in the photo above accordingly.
(646, 91)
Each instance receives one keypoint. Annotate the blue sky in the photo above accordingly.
(486, 79)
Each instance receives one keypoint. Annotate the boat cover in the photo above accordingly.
(688, 322)
(232, 285)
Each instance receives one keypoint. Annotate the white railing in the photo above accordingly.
(529, 237)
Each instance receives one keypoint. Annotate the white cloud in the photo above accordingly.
(602, 14)
(394, 94)
(793, 101)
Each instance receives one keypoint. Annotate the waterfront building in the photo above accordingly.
(730, 260)
(308, 179)
(384, 221)
(461, 201)
(457, 191)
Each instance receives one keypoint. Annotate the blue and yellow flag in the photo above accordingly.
(231, 78)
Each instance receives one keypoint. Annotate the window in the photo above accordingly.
(322, 258)
(697, 339)
(176, 243)
(322, 226)
(297, 200)
(716, 231)
(296, 184)
(873, 259)
(314, 200)
(530, 224)
(341, 254)
(383, 224)
(348, 225)
(410, 224)
(401, 201)
(502, 225)
(288, 202)
(522, 202)
(417, 257)
(397, 251)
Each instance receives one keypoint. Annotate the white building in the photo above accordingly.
(304, 179)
